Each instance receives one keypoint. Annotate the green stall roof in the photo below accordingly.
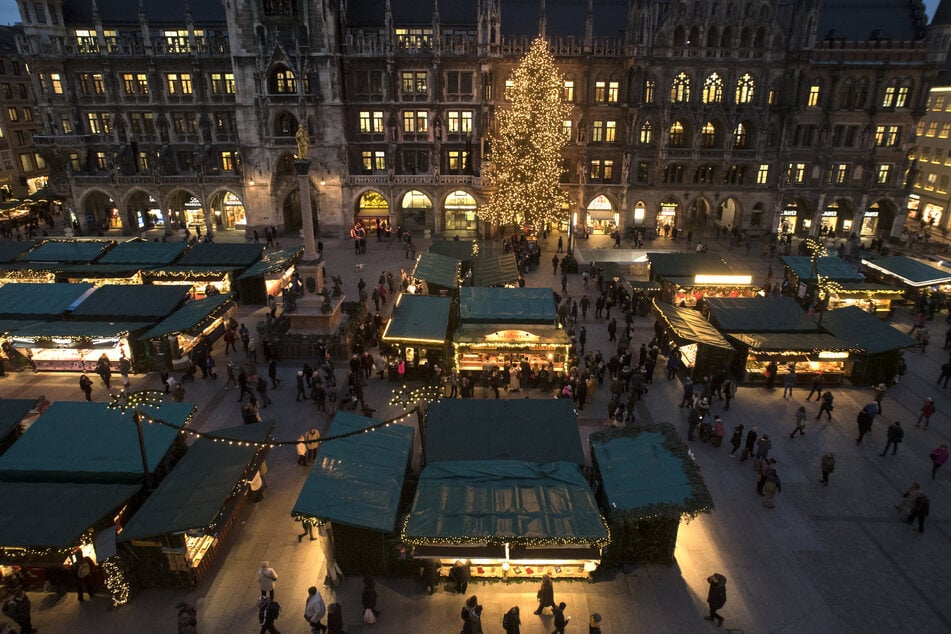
(8, 326)
(864, 330)
(494, 270)
(793, 341)
(80, 441)
(98, 270)
(213, 254)
(144, 253)
(131, 302)
(909, 270)
(273, 262)
(462, 250)
(192, 316)
(419, 318)
(640, 472)
(68, 251)
(507, 305)
(10, 250)
(689, 325)
(358, 480)
(665, 264)
(39, 300)
(439, 270)
(67, 328)
(828, 266)
(533, 430)
(12, 411)
(193, 494)
(55, 515)
(498, 501)
(758, 314)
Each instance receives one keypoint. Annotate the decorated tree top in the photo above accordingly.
(527, 145)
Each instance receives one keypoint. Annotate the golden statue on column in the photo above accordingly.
(301, 137)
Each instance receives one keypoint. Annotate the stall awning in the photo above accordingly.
(494, 501)
(8, 326)
(909, 271)
(690, 325)
(495, 270)
(12, 411)
(189, 273)
(22, 301)
(193, 494)
(68, 251)
(358, 480)
(438, 269)
(419, 319)
(863, 330)
(805, 342)
(527, 334)
(868, 289)
(644, 470)
(462, 250)
(829, 266)
(665, 264)
(55, 515)
(192, 317)
(144, 253)
(10, 250)
(274, 262)
(64, 329)
(131, 301)
(727, 280)
(533, 430)
(79, 441)
(758, 314)
(97, 270)
(213, 254)
(507, 305)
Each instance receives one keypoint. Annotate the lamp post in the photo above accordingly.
(124, 401)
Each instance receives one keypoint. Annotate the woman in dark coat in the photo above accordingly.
(546, 595)
(368, 600)
(716, 597)
(334, 619)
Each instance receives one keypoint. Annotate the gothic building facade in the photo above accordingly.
(767, 115)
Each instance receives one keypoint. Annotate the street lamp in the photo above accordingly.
(124, 401)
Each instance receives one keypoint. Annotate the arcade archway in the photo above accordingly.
(460, 209)
(185, 210)
(836, 219)
(728, 214)
(228, 210)
(100, 212)
(291, 211)
(142, 211)
(372, 210)
(668, 218)
(416, 210)
(601, 217)
(879, 218)
(698, 213)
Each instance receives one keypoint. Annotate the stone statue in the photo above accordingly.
(301, 137)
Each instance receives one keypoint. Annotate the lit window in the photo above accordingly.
(708, 135)
(745, 89)
(176, 41)
(371, 122)
(56, 83)
(887, 136)
(227, 161)
(414, 38)
(838, 174)
(566, 129)
(610, 131)
(889, 99)
(600, 91)
(597, 131)
(415, 121)
(285, 81)
(901, 98)
(796, 172)
(739, 136)
(613, 90)
(649, 86)
(86, 41)
(100, 160)
(457, 161)
(414, 85)
(179, 83)
(945, 130)
(813, 99)
(568, 91)
(713, 89)
(374, 161)
(99, 122)
(509, 89)
(677, 135)
(884, 173)
(459, 121)
(680, 89)
(647, 134)
(762, 174)
(222, 83)
(13, 114)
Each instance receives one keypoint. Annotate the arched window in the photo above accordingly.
(847, 95)
(680, 89)
(739, 136)
(760, 42)
(745, 37)
(708, 135)
(694, 38)
(647, 134)
(677, 135)
(283, 81)
(712, 37)
(285, 124)
(679, 36)
(745, 87)
(861, 95)
(713, 89)
(726, 40)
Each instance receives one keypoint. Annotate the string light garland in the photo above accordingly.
(526, 148)
(116, 580)
(514, 540)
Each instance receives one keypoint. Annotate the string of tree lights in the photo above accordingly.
(125, 401)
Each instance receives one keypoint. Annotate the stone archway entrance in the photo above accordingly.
(460, 209)
(416, 211)
(292, 215)
(600, 216)
(372, 209)
(228, 210)
(879, 218)
(668, 218)
(100, 213)
(141, 210)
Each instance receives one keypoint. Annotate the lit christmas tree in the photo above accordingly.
(527, 144)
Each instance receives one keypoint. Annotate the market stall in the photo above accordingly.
(685, 278)
(68, 251)
(129, 302)
(846, 286)
(883, 344)
(268, 276)
(76, 346)
(759, 314)
(418, 330)
(495, 269)
(199, 281)
(353, 493)
(435, 275)
(28, 273)
(199, 319)
(177, 532)
(100, 274)
(648, 485)
(213, 254)
(911, 275)
(13, 416)
(40, 301)
(700, 347)
(809, 352)
(10, 250)
(80, 441)
(144, 253)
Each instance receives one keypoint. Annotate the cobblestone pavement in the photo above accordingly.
(826, 559)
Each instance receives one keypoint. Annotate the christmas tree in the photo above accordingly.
(527, 144)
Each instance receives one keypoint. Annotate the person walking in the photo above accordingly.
(270, 613)
(232, 377)
(750, 444)
(945, 374)
(789, 382)
(920, 510)
(772, 487)
(879, 395)
(301, 394)
(736, 439)
(728, 388)
(763, 445)
(594, 624)
(864, 420)
(894, 435)
(301, 447)
(335, 619)
(688, 392)
(125, 366)
(827, 405)
(252, 350)
(243, 386)
(927, 409)
(312, 438)
(816, 387)
(267, 578)
(368, 597)
(459, 576)
(475, 620)
(545, 594)
(314, 610)
(262, 392)
(716, 597)
(827, 465)
(85, 384)
(18, 609)
(272, 373)
(938, 457)
(512, 622)
(800, 422)
(560, 621)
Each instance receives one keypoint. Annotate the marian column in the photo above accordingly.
(302, 167)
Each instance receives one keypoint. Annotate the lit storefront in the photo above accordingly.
(373, 209)
(810, 354)
(193, 213)
(788, 219)
(99, 274)
(870, 221)
(640, 213)
(845, 285)
(686, 278)
(667, 219)
(198, 320)
(601, 218)
(269, 276)
(460, 209)
(229, 211)
(418, 330)
(75, 346)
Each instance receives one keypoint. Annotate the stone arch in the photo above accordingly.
(291, 209)
(698, 213)
(879, 218)
(416, 209)
(99, 211)
(459, 211)
(729, 213)
(372, 204)
(185, 208)
(601, 213)
(282, 80)
(284, 124)
(669, 216)
(138, 210)
(227, 208)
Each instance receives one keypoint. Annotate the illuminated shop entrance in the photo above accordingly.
(228, 210)
(417, 209)
(601, 217)
(667, 218)
(372, 209)
(460, 212)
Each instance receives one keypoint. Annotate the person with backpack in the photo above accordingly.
(269, 612)
(561, 621)
(511, 622)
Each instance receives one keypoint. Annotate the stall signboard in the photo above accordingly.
(511, 336)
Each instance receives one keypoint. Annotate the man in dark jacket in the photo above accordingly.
(716, 597)
(864, 420)
(920, 510)
(561, 621)
(894, 435)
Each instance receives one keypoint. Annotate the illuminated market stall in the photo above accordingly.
(685, 278)
(176, 534)
(76, 346)
(883, 344)
(100, 274)
(649, 484)
(700, 347)
(509, 325)
(418, 331)
(846, 286)
(529, 452)
(199, 281)
(68, 251)
(268, 276)
(144, 253)
(28, 273)
(199, 319)
(495, 269)
(914, 276)
(10, 250)
(353, 493)
(435, 275)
